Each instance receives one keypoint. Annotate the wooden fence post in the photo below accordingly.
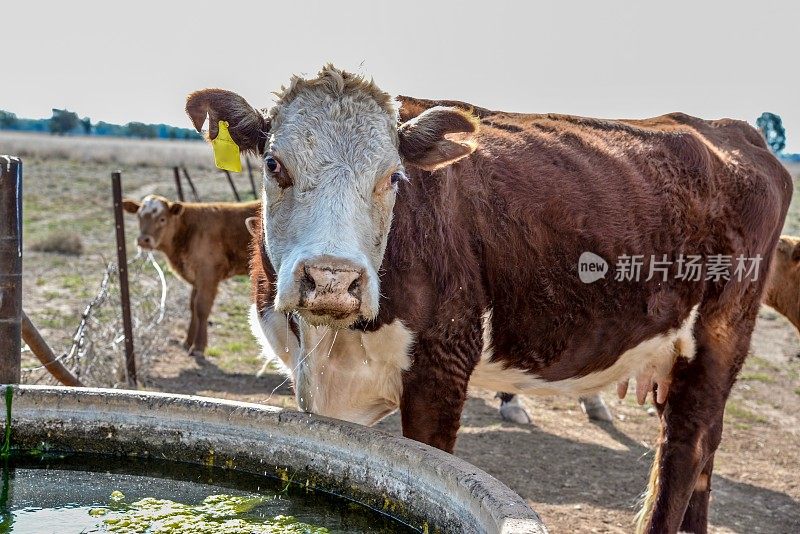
(122, 269)
(42, 350)
(10, 269)
(178, 186)
(233, 187)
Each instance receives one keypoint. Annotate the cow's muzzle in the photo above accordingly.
(146, 242)
(330, 287)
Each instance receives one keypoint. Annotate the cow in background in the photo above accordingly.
(783, 290)
(512, 410)
(205, 243)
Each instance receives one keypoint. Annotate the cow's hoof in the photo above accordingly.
(197, 353)
(596, 409)
(513, 412)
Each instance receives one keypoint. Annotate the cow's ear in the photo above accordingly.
(131, 206)
(252, 225)
(175, 208)
(438, 137)
(247, 125)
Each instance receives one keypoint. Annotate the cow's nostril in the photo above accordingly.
(307, 283)
(355, 288)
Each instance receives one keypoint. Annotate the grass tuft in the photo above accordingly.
(758, 377)
(741, 413)
(60, 242)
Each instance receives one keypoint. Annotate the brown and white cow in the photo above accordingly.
(205, 243)
(513, 411)
(409, 248)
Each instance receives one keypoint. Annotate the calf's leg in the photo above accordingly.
(691, 419)
(192, 331)
(203, 302)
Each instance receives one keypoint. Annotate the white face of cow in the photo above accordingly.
(333, 154)
(330, 180)
(157, 219)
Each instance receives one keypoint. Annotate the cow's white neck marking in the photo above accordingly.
(345, 374)
(652, 357)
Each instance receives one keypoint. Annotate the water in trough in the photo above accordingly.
(65, 494)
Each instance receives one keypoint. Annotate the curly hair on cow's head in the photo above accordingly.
(338, 82)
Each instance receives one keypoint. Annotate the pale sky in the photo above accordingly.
(137, 61)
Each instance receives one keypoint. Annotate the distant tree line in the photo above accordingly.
(771, 127)
(65, 122)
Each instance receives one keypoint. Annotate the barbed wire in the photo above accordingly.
(95, 355)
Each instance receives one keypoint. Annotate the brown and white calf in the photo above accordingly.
(410, 247)
(205, 243)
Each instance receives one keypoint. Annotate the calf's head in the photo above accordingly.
(157, 219)
(334, 155)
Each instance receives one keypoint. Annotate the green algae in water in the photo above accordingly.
(87, 494)
(217, 514)
(5, 451)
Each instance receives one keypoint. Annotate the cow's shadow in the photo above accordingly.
(208, 377)
(546, 468)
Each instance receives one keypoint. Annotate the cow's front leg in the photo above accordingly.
(435, 387)
(192, 330)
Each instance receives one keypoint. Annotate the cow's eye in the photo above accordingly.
(397, 176)
(273, 165)
(162, 220)
(278, 172)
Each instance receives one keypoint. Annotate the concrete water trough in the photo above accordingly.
(426, 488)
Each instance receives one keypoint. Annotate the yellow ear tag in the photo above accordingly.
(226, 151)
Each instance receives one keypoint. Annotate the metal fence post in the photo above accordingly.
(178, 186)
(122, 269)
(10, 269)
(233, 187)
(191, 185)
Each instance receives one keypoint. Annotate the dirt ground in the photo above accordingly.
(580, 476)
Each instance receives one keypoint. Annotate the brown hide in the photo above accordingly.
(503, 229)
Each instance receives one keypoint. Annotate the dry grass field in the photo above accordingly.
(108, 150)
(581, 477)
